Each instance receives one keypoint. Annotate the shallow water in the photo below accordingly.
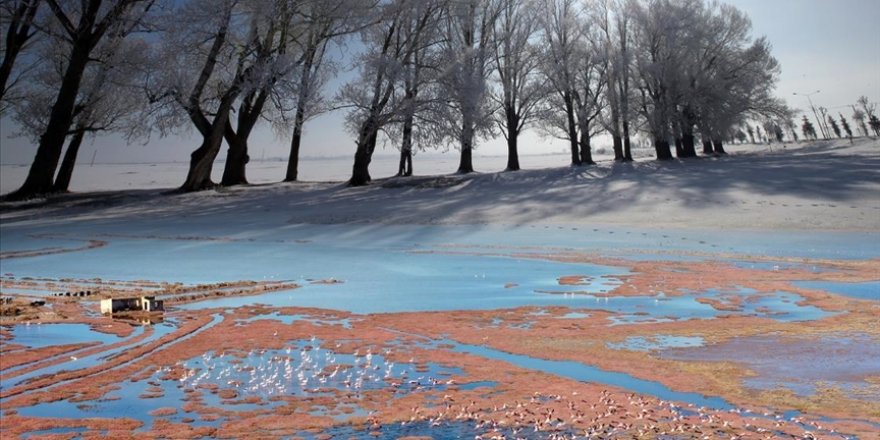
(77, 363)
(799, 364)
(868, 290)
(588, 373)
(45, 335)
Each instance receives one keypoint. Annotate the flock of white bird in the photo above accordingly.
(306, 368)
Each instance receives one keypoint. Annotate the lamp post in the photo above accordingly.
(815, 113)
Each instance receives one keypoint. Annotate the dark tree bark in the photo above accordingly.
(618, 147)
(718, 146)
(405, 166)
(466, 163)
(627, 150)
(62, 181)
(234, 171)
(679, 151)
(586, 149)
(83, 36)
(293, 161)
(42, 171)
(404, 169)
(572, 128)
(661, 147)
(688, 146)
(512, 139)
(300, 116)
(366, 144)
(18, 33)
(202, 159)
(707, 146)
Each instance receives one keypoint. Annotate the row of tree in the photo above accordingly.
(429, 73)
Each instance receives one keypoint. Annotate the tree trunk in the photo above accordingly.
(299, 120)
(404, 169)
(718, 146)
(627, 150)
(466, 164)
(360, 172)
(62, 181)
(234, 171)
(618, 147)
(707, 146)
(586, 149)
(17, 34)
(661, 147)
(512, 135)
(293, 161)
(366, 143)
(572, 129)
(679, 150)
(202, 159)
(405, 166)
(42, 172)
(687, 145)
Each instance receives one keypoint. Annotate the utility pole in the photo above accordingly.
(815, 113)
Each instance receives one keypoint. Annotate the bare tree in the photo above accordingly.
(516, 63)
(322, 23)
(562, 29)
(84, 25)
(271, 22)
(375, 97)
(110, 98)
(17, 25)
(613, 18)
(467, 53)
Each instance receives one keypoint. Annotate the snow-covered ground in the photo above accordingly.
(809, 186)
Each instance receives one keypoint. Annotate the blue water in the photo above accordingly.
(799, 364)
(867, 290)
(269, 250)
(87, 361)
(303, 369)
(45, 335)
(588, 373)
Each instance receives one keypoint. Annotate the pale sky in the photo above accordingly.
(827, 45)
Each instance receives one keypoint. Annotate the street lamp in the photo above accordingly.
(815, 113)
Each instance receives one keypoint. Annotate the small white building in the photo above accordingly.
(144, 303)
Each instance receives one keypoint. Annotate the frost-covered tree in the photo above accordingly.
(82, 26)
(467, 53)
(869, 110)
(375, 96)
(613, 19)
(205, 52)
(321, 23)
(859, 117)
(216, 55)
(845, 125)
(663, 43)
(418, 86)
(110, 98)
(17, 27)
(808, 129)
(518, 87)
(834, 127)
(575, 67)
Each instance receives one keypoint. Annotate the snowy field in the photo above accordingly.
(813, 186)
